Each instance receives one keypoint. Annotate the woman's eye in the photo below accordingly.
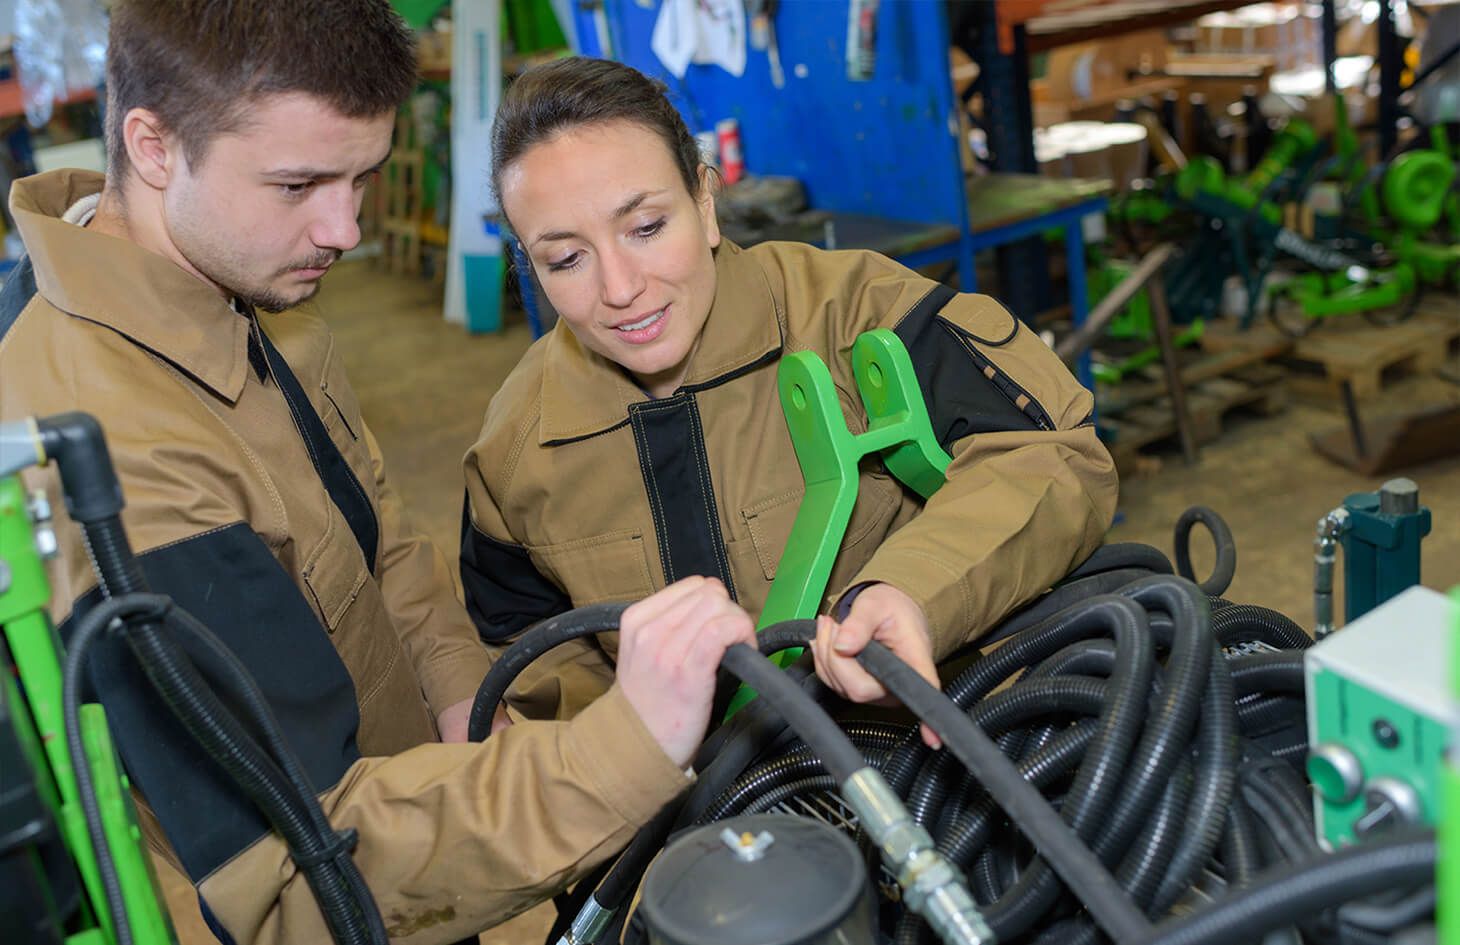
(565, 264)
(651, 230)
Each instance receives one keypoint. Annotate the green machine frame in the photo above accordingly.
(33, 699)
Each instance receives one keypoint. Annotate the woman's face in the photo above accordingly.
(621, 247)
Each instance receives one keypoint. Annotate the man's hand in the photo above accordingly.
(454, 720)
(883, 613)
(670, 645)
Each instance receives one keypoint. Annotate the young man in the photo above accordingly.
(240, 137)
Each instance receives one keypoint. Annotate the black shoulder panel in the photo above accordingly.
(230, 581)
(964, 391)
(505, 593)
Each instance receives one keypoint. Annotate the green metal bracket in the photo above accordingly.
(37, 653)
(898, 427)
(1447, 878)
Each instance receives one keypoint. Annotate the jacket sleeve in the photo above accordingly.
(1031, 489)
(415, 582)
(506, 594)
(458, 838)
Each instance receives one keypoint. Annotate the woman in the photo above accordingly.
(642, 439)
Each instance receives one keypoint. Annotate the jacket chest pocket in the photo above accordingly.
(770, 521)
(334, 572)
(609, 567)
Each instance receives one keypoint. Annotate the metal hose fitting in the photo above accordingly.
(931, 886)
(1325, 547)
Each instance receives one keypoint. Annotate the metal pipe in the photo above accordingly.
(1325, 548)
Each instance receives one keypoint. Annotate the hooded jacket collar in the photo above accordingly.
(584, 393)
(116, 283)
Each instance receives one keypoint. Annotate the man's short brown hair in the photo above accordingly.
(200, 64)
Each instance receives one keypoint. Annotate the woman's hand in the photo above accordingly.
(883, 613)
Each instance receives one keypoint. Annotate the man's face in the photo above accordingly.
(272, 205)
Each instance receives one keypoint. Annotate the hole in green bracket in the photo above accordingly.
(798, 397)
(874, 374)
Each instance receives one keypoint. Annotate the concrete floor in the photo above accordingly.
(424, 385)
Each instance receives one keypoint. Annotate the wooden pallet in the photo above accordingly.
(1132, 426)
(1370, 357)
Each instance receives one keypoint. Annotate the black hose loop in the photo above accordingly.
(1226, 564)
(537, 640)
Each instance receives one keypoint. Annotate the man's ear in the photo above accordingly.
(154, 152)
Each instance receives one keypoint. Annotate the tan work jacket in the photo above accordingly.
(581, 488)
(344, 615)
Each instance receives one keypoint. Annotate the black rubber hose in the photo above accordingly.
(595, 618)
(1239, 846)
(1172, 721)
(1042, 610)
(816, 728)
(1289, 894)
(1206, 815)
(192, 700)
(1120, 555)
(1150, 855)
(783, 793)
(968, 835)
(1052, 837)
(874, 743)
(1268, 672)
(1070, 625)
(1263, 714)
(87, 630)
(1225, 567)
(1240, 623)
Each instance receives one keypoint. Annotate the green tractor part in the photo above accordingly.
(39, 798)
(1132, 324)
(1447, 880)
(898, 427)
(1380, 714)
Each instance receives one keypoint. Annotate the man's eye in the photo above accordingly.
(297, 190)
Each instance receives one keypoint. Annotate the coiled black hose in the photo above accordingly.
(1121, 555)
(1297, 891)
(1263, 714)
(1268, 672)
(1074, 862)
(1225, 567)
(1240, 857)
(1239, 623)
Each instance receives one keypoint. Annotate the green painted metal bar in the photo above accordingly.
(898, 427)
(37, 653)
(1447, 870)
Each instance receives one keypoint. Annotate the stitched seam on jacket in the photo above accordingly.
(646, 472)
(712, 513)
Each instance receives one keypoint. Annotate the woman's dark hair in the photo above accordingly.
(551, 99)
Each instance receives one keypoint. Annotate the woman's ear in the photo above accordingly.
(709, 181)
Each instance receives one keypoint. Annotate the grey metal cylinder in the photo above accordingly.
(765, 879)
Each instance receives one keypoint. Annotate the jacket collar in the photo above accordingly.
(584, 393)
(116, 283)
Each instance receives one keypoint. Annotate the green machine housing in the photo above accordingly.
(1380, 713)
